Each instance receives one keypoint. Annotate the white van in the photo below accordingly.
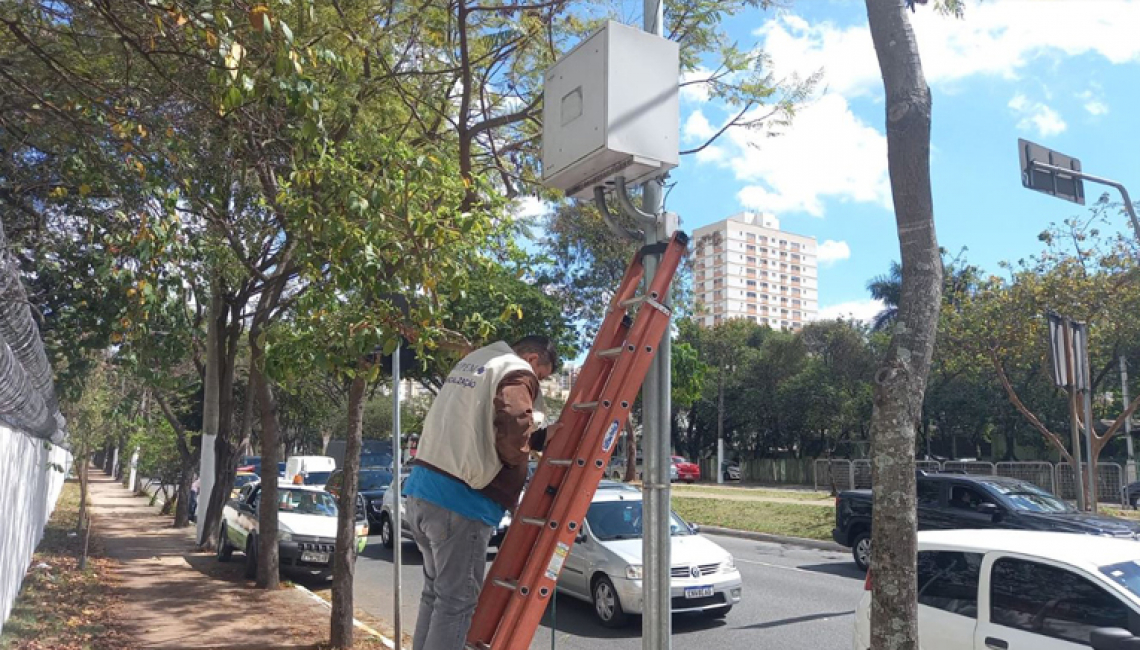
(306, 464)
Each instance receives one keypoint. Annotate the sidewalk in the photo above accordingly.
(174, 597)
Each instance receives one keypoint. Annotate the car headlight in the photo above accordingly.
(284, 536)
(729, 565)
(633, 572)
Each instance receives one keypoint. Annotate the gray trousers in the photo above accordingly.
(454, 549)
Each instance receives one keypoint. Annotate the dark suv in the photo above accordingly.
(952, 501)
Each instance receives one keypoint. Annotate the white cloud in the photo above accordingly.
(1036, 116)
(1093, 102)
(695, 92)
(863, 310)
(697, 128)
(831, 251)
(530, 208)
(827, 152)
(995, 38)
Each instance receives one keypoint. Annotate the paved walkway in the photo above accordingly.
(174, 597)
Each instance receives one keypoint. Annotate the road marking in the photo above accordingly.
(777, 566)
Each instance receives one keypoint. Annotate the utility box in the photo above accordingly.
(610, 108)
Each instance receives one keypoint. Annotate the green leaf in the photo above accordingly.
(286, 31)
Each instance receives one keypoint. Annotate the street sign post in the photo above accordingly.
(1056, 174)
(1066, 375)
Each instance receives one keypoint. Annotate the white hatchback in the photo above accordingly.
(1020, 590)
(604, 567)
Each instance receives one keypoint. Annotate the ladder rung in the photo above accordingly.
(629, 302)
(505, 584)
(560, 462)
(534, 521)
(585, 406)
(611, 352)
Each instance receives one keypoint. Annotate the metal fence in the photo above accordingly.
(975, 467)
(1110, 482)
(1058, 479)
(861, 474)
(837, 473)
(1038, 473)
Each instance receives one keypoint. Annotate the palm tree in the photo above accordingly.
(887, 288)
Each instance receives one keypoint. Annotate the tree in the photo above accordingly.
(1082, 273)
(900, 382)
(888, 289)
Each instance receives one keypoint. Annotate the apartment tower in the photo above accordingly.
(746, 267)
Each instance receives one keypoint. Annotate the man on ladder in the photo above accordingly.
(470, 467)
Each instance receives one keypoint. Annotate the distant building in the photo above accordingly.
(746, 267)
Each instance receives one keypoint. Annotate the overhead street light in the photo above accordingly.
(1056, 174)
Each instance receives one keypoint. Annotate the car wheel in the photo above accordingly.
(719, 612)
(690, 481)
(607, 605)
(861, 551)
(1133, 501)
(225, 551)
(386, 536)
(251, 558)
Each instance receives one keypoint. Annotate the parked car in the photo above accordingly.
(385, 518)
(1131, 494)
(316, 478)
(730, 470)
(372, 483)
(306, 532)
(242, 479)
(687, 471)
(604, 566)
(953, 501)
(616, 469)
(1020, 590)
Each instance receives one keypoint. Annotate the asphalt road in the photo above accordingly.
(794, 599)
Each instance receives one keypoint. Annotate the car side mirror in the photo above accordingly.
(581, 538)
(694, 528)
(1113, 638)
(990, 509)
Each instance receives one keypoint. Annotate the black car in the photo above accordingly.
(372, 483)
(955, 501)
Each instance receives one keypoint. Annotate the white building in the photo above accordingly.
(746, 267)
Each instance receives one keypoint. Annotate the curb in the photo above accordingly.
(775, 539)
(383, 639)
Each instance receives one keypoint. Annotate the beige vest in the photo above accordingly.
(459, 431)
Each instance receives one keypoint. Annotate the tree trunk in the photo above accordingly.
(182, 500)
(268, 567)
(345, 552)
(630, 452)
(900, 382)
(225, 452)
(84, 462)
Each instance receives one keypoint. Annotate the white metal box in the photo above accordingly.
(610, 108)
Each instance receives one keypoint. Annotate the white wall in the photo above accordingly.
(29, 488)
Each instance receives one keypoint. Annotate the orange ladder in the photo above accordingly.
(521, 581)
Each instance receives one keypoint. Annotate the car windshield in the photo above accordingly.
(306, 502)
(614, 520)
(375, 480)
(1125, 574)
(1029, 497)
(317, 478)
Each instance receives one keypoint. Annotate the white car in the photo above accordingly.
(605, 566)
(1020, 590)
(385, 519)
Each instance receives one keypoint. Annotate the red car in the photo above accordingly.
(686, 471)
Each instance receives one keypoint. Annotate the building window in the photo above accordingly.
(751, 236)
(751, 260)
(751, 272)
(795, 268)
(752, 295)
(750, 283)
(751, 248)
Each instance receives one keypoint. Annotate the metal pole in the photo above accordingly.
(1130, 471)
(397, 523)
(720, 426)
(1094, 496)
(1073, 423)
(1096, 179)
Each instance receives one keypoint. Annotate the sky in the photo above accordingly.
(1062, 73)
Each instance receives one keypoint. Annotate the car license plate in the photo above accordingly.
(698, 592)
(317, 558)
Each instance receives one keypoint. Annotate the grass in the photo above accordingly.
(61, 607)
(763, 493)
(1117, 512)
(792, 519)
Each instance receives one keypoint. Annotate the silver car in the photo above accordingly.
(389, 539)
(605, 567)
